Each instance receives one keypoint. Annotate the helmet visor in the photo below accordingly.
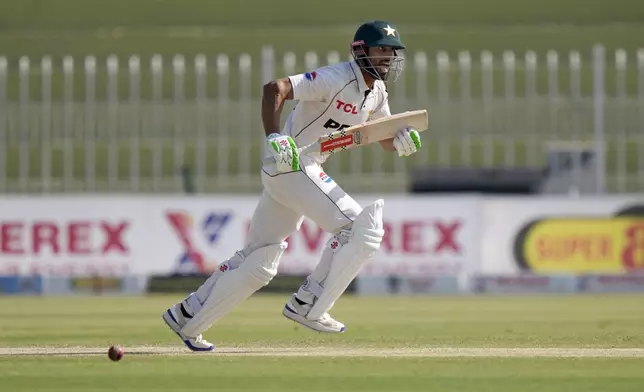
(384, 63)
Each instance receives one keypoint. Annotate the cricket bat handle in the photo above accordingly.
(301, 151)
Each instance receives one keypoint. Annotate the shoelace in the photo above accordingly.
(325, 317)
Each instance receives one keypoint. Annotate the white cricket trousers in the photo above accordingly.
(289, 197)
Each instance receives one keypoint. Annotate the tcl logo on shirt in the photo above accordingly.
(346, 107)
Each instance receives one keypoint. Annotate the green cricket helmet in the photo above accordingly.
(378, 34)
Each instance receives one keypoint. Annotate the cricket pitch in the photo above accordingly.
(447, 352)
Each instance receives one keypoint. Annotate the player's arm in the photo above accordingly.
(388, 144)
(303, 87)
(310, 86)
(275, 93)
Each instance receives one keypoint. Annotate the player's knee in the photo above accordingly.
(367, 230)
(261, 265)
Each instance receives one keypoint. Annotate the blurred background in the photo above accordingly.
(107, 105)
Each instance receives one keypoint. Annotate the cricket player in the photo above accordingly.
(296, 186)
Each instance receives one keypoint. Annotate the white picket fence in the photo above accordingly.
(131, 125)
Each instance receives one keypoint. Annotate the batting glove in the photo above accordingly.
(407, 142)
(283, 149)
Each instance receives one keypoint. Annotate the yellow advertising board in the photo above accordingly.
(580, 245)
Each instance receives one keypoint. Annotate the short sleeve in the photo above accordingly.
(313, 86)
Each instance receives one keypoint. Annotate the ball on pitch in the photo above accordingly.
(115, 353)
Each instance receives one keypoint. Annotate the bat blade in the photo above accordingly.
(371, 131)
(339, 142)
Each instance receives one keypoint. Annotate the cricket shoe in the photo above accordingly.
(296, 310)
(176, 317)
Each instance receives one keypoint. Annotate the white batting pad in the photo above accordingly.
(312, 288)
(366, 235)
(235, 286)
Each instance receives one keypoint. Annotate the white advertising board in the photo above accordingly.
(423, 236)
(71, 236)
(78, 236)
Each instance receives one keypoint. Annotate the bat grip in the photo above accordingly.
(301, 151)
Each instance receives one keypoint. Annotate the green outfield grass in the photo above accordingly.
(100, 28)
(608, 321)
(79, 14)
(234, 41)
(332, 374)
(84, 327)
(147, 27)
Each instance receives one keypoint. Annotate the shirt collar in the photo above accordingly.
(362, 85)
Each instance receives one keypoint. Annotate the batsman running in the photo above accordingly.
(295, 186)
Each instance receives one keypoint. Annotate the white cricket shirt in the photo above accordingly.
(331, 98)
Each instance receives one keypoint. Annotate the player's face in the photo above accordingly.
(381, 57)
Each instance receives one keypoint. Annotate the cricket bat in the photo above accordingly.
(367, 133)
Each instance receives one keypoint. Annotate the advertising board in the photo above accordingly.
(422, 236)
(562, 235)
(71, 236)
(142, 235)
